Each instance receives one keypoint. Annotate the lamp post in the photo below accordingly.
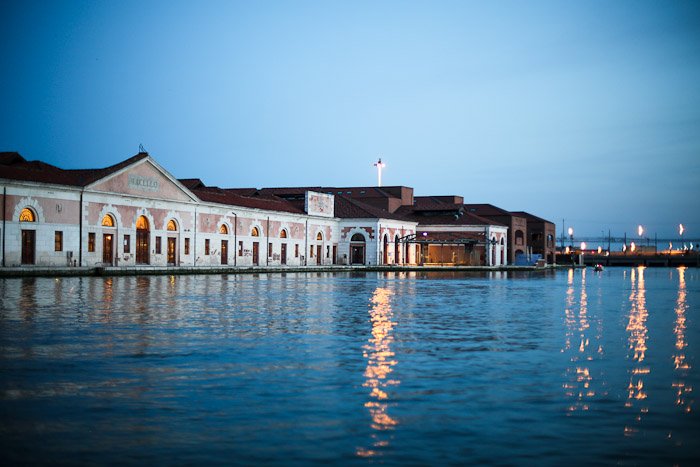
(571, 236)
(681, 229)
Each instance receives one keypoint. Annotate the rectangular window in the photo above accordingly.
(206, 246)
(58, 241)
(127, 243)
(328, 251)
(157, 245)
(187, 246)
(91, 242)
(296, 250)
(269, 249)
(311, 251)
(240, 248)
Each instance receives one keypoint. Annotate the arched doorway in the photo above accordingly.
(319, 247)
(172, 242)
(255, 232)
(108, 235)
(357, 249)
(223, 230)
(142, 240)
(493, 251)
(283, 247)
(386, 249)
(28, 237)
(397, 252)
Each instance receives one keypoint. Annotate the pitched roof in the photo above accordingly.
(15, 167)
(454, 217)
(349, 208)
(231, 198)
(531, 217)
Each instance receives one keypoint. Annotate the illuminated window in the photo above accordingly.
(27, 215)
(172, 226)
(58, 241)
(91, 242)
(127, 244)
(142, 223)
(223, 229)
(206, 246)
(107, 221)
(283, 234)
(187, 246)
(255, 232)
(319, 236)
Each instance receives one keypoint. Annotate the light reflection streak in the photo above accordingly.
(681, 365)
(380, 360)
(579, 383)
(637, 345)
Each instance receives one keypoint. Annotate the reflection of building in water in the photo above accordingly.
(637, 340)
(681, 365)
(380, 360)
(579, 383)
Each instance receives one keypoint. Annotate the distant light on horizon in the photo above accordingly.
(681, 229)
(640, 230)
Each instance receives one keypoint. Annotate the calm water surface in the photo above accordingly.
(398, 368)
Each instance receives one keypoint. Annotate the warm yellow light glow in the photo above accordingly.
(624, 248)
(600, 249)
(583, 246)
(567, 250)
(633, 247)
(27, 215)
(142, 223)
(637, 342)
(107, 221)
(172, 226)
(223, 229)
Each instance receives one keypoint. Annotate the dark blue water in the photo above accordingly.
(564, 367)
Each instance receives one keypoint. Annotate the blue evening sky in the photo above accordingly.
(588, 110)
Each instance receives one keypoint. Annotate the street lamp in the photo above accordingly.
(571, 235)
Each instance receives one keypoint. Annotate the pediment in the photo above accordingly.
(144, 179)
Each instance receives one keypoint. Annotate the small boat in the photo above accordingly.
(598, 267)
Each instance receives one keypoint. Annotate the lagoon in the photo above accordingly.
(497, 368)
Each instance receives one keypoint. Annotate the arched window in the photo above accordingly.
(358, 237)
(283, 234)
(108, 221)
(27, 215)
(172, 226)
(223, 229)
(255, 232)
(142, 223)
(319, 236)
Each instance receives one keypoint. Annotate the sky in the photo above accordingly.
(587, 111)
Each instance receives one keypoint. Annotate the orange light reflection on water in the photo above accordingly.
(681, 365)
(637, 344)
(380, 360)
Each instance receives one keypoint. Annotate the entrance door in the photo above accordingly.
(172, 248)
(256, 251)
(142, 246)
(107, 249)
(318, 254)
(224, 251)
(335, 254)
(283, 254)
(28, 246)
(357, 254)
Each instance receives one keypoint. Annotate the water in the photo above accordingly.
(399, 368)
